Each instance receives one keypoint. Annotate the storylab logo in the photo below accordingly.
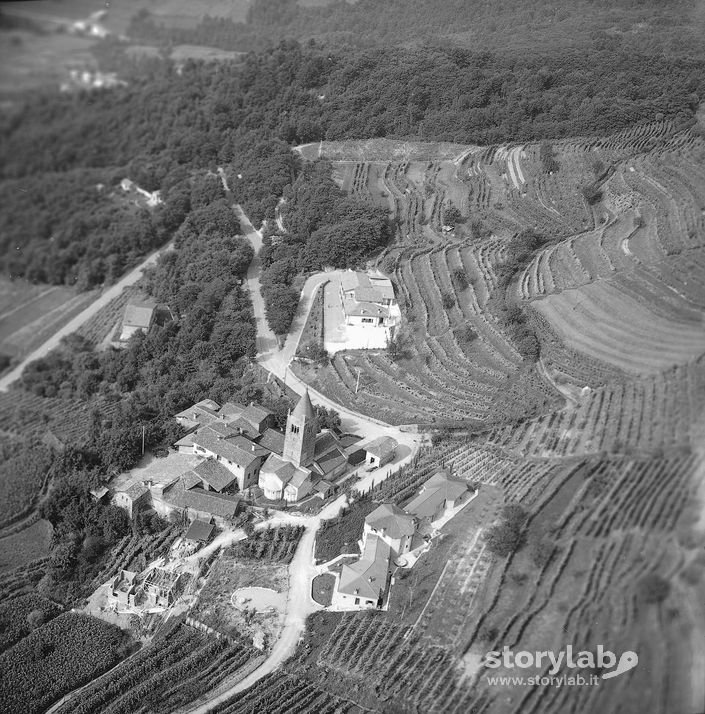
(603, 661)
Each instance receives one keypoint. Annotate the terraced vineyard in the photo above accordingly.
(601, 440)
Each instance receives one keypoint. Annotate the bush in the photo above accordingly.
(653, 588)
(448, 301)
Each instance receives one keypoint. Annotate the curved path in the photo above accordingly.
(302, 568)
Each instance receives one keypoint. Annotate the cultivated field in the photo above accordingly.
(600, 440)
(29, 314)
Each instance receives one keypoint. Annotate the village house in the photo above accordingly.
(139, 315)
(364, 583)
(390, 532)
(393, 525)
(200, 414)
(439, 494)
(134, 498)
(368, 299)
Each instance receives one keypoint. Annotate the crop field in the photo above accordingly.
(175, 669)
(63, 654)
(24, 472)
(280, 693)
(29, 314)
(25, 547)
(601, 445)
(26, 415)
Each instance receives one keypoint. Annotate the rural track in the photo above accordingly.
(53, 342)
(302, 568)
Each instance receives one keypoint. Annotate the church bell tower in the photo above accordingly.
(300, 437)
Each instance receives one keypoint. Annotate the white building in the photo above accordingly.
(368, 300)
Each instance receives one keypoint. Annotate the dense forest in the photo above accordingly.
(171, 121)
(670, 28)
(322, 227)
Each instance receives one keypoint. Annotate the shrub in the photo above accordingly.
(460, 279)
(653, 588)
(448, 301)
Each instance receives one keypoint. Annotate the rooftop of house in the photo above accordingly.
(391, 520)
(381, 446)
(199, 531)
(327, 463)
(231, 410)
(198, 414)
(214, 474)
(139, 313)
(371, 287)
(272, 440)
(135, 491)
(227, 448)
(217, 504)
(255, 414)
(367, 577)
(438, 489)
(364, 309)
(245, 427)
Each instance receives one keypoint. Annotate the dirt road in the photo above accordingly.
(112, 292)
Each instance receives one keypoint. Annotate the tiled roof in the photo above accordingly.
(136, 490)
(224, 448)
(368, 576)
(214, 474)
(255, 414)
(231, 410)
(199, 531)
(285, 471)
(381, 446)
(217, 504)
(392, 520)
(331, 460)
(365, 309)
(436, 490)
(272, 440)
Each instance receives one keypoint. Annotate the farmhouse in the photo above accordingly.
(187, 495)
(139, 315)
(438, 494)
(368, 299)
(132, 499)
(365, 583)
(200, 414)
(399, 531)
(393, 525)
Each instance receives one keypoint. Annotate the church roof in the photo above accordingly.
(304, 409)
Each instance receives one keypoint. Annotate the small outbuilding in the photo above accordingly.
(199, 532)
(380, 451)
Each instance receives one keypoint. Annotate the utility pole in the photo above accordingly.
(142, 439)
(357, 384)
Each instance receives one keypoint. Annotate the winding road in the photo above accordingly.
(302, 568)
